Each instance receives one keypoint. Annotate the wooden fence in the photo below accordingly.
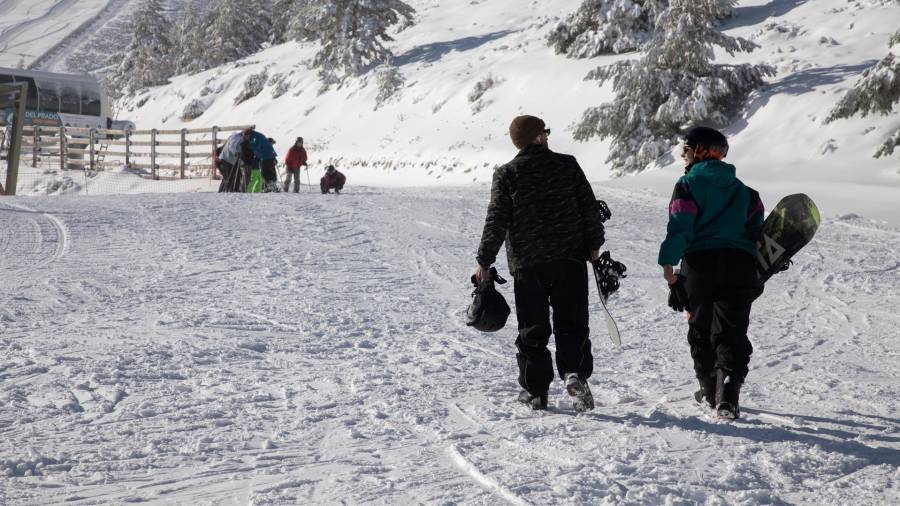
(164, 154)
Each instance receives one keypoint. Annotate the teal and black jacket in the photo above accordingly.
(711, 209)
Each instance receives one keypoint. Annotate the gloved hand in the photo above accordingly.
(678, 297)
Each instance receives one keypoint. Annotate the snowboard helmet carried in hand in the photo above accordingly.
(488, 311)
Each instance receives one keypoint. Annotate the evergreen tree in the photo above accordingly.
(238, 28)
(672, 87)
(352, 34)
(146, 61)
(877, 91)
(304, 17)
(189, 37)
(613, 26)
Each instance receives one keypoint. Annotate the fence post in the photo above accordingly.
(62, 148)
(183, 147)
(153, 173)
(91, 137)
(128, 148)
(35, 147)
(214, 157)
(14, 150)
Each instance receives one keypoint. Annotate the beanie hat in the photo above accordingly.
(705, 136)
(524, 129)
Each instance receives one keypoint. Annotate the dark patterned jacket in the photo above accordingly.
(543, 207)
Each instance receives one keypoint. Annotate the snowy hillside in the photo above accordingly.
(29, 28)
(301, 349)
(207, 349)
(438, 129)
(75, 36)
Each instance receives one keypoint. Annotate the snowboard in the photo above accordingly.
(788, 228)
(606, 274)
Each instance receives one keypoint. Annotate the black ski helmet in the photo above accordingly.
(488, 311)
(705, 136)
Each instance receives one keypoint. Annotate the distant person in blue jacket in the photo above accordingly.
(714, 220)
(260, 148)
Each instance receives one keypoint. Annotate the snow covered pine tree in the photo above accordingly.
(352, 34)
(674, 85)
(238, 28)
(146, 61)
(877, 91)
(188, 36)
(612, 26)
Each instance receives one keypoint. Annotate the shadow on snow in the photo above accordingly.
(797, 83)
(756, 14)
(847, 442)
(430, 53)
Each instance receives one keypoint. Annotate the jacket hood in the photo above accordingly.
(716, 172)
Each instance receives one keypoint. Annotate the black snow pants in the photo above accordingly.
(721, 285)
(562, 285)
(268, 171)
(227, 171)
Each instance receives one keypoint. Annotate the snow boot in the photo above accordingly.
(535, 402)
(579, 389)
(728, 391)
(707, 391)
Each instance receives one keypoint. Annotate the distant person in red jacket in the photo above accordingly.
(296, 157)
(332, 180)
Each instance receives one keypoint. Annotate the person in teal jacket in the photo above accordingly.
(714, 220)
(263, 153)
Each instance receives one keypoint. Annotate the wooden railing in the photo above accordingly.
(165, 154)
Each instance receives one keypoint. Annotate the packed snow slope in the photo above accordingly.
(307, 349)
(69, 36)
(435, 130)
(29, 28)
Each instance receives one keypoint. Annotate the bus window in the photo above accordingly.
(32, 96)
(70, 98)
(48, 95)
(8, 97)
(90, 100)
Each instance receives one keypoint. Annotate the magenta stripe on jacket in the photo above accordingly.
(683, 206)
(756, 207)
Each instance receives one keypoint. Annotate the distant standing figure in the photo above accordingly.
(295, 158)
(332, 180)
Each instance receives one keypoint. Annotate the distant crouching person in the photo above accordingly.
(332, 180)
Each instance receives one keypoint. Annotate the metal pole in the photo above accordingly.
(62, 148)
(91, 136)
(35, 148)
(215, 148)
(183, 142)
(128, 148)
(15, 144)
(153, 173)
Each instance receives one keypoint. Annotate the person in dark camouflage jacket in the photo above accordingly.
(544, 209)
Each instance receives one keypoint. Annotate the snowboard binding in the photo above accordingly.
(608, 272)
(604, 211)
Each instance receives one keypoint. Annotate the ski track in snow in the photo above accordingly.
(287, 349)
(53, 60)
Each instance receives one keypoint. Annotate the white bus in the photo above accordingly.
(56, 100)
